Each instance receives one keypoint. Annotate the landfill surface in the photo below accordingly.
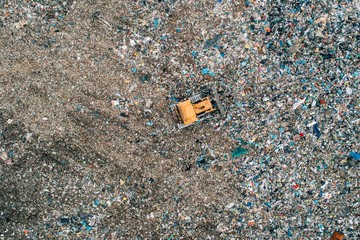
(89, 147)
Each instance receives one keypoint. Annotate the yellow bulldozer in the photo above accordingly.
(198, 107)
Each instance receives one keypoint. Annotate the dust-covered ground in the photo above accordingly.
(89, 148)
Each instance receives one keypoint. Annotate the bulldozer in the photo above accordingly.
(198, 108)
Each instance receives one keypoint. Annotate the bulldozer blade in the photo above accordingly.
(218, 101)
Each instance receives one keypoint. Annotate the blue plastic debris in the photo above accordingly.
(64, 220)
(205, 71)
(156, 22)
(174, 99)
(267, 204)
(80, 108)
(211, 42)
(355, 155)
(201, 162)
(238, 152)
(11, 154)
(289, 232)
(134, 70)
(150, 123)
(249, 204)
(316, 130)
(145, 78)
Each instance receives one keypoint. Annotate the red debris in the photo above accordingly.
(322, 101)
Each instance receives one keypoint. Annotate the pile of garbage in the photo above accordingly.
(90, 149)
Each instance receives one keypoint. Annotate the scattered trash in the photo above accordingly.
(289, 233)
(11, 154)
(202, 162)
(150, 123)
(316, 130)
(348, 91)
(251, 223)
(89, 148)
(337, 236)
(238, 152)
(322, 101)
(20, 24)
(355, 155)
(4, 156)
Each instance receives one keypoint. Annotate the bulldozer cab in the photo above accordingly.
(187, 112)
